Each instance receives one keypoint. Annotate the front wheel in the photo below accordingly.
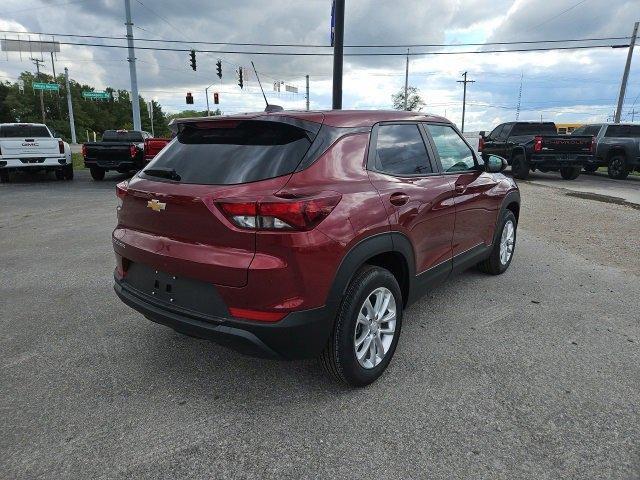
(618, 167)
(366, 329)
(68, 172)
(503, 247)
(97, 173)
(520, 167)
(570, 173)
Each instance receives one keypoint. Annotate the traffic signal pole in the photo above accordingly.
(338, 48)
(625, 75)
(135, 102)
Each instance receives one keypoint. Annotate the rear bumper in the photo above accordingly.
(112, 164)
(34, 163)
(559, 161)
(301, 334)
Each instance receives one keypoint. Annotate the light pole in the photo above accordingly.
(206, 94)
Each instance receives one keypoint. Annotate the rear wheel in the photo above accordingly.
(590, 168)
(570, 173)
(4, 176)
(68, 172)
(618, 167)
(97, 173)
(502, 252)
(366, 330)
(520, 167)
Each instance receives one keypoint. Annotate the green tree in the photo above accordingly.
(414, 100)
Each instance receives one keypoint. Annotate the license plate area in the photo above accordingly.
(160, 287)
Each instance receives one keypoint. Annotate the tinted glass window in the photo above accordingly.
(623, 131)
(587, 130)
(400, 150)
(455, 154)
(23, 131)
(494, 135)
(122, 136)
(228, 152)
(534, 129)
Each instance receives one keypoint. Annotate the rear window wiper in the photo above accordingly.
(163, 172)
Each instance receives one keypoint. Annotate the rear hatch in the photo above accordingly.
(109, 151)
(567, 144)
(169, 219)
(27, 141)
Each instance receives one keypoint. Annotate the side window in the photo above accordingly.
(504, 134)
(495, 134)
(400, 150)
(455, 154)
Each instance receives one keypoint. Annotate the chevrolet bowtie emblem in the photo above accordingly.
(155, 205)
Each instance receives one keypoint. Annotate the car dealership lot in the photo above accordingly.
(533, 374)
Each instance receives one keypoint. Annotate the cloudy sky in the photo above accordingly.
(560, 86)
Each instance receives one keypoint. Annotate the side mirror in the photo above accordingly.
(483, 133)
(494, 163)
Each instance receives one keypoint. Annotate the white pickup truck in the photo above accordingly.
(31, 147)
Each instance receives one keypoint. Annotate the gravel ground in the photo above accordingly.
(532, 374)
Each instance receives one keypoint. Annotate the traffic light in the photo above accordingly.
(216, 98)
(240, 82)
(219, 68)
(189, 98)
(193, 59)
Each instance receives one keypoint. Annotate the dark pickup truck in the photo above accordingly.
(530, 146)
(617, 148)
(119, 150)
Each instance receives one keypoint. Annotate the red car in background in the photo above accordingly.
(307, 234)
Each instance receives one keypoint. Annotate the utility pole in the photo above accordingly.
(72, 123)
(37, 61)
(135, 102)
(338, 47)
(519, 97)
(307, 80)
(464, 96)
(625, 75)
(406, 81)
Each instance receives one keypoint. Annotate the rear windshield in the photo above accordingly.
(24, 131)
(587, 130)
(534, 129)
(624, 131)
(121, 136)
(226, 152)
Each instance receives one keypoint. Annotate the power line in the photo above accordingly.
(556, 16)
(310, 45)
(44, 6)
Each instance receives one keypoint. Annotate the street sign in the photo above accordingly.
(98, 95)
(29, 46)
(45, 86)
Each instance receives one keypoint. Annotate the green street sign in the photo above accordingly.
(100, 95)
(45, 86)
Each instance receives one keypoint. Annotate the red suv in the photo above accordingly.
(306, 234)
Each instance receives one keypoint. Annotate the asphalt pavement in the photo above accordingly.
(531, 374)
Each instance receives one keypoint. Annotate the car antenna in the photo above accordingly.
(268, 108)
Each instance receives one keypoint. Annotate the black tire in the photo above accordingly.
(493, 265)
(520, 167)
(4, 176)
(68, 172)
(590, 168)
(59, 174)
(97, 173)
(618, 168)
(339, 357)
(570, 173)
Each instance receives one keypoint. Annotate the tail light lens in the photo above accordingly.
(84, 150)
(61, 146)
(537, 144)
(121, 192)
(133, 151)
(259, 315)
(300, 215)
(481, 144)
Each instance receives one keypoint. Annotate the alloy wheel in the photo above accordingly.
(507, 242)
(375, 327)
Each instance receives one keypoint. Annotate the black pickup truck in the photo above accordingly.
(617, 147)
(119, 150)
(530, 146)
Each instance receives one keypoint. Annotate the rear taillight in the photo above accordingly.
(301, 215)
(258, 315)
(61, 146)
(121, 192)
(481, 144)
(537, 144)
(84, 150)
(132, 151)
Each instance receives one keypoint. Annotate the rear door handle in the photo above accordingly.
(399, 199)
